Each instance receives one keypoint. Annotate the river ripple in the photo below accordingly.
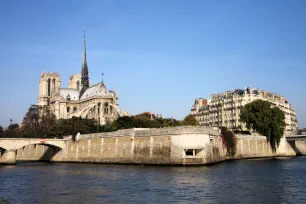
(245, 181)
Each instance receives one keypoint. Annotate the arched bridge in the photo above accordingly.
(9, 146)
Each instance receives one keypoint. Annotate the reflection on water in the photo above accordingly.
(245, 181)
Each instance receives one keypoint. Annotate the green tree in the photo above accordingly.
(260, 116)
(39, 121)
(72, 126)
(1, 131)
(140, 121)
(190, 120)
(31, 127)
(144, 116)
(13, 126)
(12, 131)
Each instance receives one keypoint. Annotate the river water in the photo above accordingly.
(244, 181)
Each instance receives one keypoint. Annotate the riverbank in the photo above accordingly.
(164, 146)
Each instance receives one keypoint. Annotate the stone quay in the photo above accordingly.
(158, 146)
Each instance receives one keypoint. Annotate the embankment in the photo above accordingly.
(164, 146)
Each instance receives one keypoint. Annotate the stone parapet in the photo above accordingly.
(147, 132)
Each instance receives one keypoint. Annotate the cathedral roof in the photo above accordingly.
(70, 94)
(96, 90)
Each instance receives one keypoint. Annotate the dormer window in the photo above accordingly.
(68, 97)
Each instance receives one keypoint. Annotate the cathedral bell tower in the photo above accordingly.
(84, 73)
(49, 87)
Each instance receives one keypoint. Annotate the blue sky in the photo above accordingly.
(159, 55)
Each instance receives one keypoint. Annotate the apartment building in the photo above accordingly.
(224, 109)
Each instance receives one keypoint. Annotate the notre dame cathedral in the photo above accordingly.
(80, 99)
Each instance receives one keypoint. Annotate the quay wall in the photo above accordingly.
(299, 147)
(164, 146)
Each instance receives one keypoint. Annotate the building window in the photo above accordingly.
(106, 108)
(78, 84)
(68, 109)
(110, 110)
(53, 85)
(189, 152)
(49, 87)
(192, 152)
(74, 109)
(99, 106)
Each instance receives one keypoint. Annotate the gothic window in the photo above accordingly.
(68, 109)
(99, 106)
(53, 85)
(78, 84)
(106, 108)
(49, 87)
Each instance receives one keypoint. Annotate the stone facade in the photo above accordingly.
(164, 146)
(79, 99)
(224, 109)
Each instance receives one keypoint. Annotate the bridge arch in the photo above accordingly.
(2, 151)
(17, 143)
(10, 147)
(53, 147)
(47, 144)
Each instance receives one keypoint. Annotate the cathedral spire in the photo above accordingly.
(84, 56)
(84, 77)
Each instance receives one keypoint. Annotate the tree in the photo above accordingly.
(12, 131)
(170, 122)
(39, 121)
(31, 122)
(74, 125)
(1, 131)
(13, 126)
(144, 116)
(47, 121)
(260, 116)
(190, 120)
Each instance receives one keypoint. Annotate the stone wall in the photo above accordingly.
(165, 146)
(7, 156)
(257, 146)
(299, 146)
